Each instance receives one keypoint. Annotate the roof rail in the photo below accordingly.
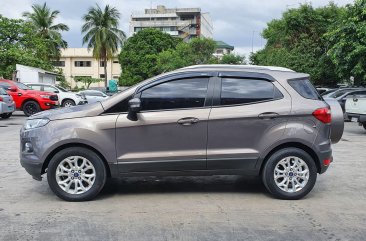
(274, 68)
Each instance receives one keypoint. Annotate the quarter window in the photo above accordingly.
(305, 88)
(243, 91)
(183, 93)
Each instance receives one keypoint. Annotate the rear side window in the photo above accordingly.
(305, 88)
(2, 91)
(5, 85)
(244, 91)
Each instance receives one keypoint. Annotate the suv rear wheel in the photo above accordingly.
(76, 174)
(289, 173)
(31, 107)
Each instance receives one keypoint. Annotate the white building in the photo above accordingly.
(76, 62)
(183, 22)
(222, 48)
(27, 74)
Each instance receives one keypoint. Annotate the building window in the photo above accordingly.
(102, 76)
(82, 63)
(115, 61)
(101, 63)
(115, 77)
(58, 63)
(220, 51)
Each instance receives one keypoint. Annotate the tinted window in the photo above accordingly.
(120, 107)
(22, 86)
(242, 91)
(2, 91)
(4, 85)
(305, 88)
(184, 93)
(49, 89)
(35, 87)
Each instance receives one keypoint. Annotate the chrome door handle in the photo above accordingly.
(268, 115)
(187, 121)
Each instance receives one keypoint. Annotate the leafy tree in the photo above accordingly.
(297, 41)
(43, 20)
(19, 45)
(87, 81)
(232, 59)
(348, 43)
(102, 33)
(138, 57)
(196, 51)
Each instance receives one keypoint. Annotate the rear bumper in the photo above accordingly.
(360, 117)
(7, 108)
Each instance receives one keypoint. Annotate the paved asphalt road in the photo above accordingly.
(186, 208)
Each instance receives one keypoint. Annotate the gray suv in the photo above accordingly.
(199, 120)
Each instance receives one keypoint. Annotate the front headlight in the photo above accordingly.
(35, 123)
(45, 96)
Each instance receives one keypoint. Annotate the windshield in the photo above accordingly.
(22, 86)
(3, 92)
(338, 93)
(62, 89)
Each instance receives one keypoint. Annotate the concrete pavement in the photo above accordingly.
(186, 208)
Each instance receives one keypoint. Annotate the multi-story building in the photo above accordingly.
(76, 62)
(181, 22)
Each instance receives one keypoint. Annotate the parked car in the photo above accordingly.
(65, 97)
(94, 95)
(7, 105)
(322, 90)
(341, 95)
(356, 108)
(28, 100)
(202, 120)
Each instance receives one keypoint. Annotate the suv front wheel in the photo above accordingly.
(289, 173)
(76, 174)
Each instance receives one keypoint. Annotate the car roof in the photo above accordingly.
(237, 67)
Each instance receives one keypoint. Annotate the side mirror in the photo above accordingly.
(134, 107)
(12, 89)
(56, 91)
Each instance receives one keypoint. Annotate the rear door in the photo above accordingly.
(244, 120)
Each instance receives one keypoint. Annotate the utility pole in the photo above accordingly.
(253, 41)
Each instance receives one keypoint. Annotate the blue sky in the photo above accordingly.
(234, 20)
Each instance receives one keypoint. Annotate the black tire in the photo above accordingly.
(100, 176)
(364, 125)
(31, 107)
(68, 103)
(6, 115)
(268, 173)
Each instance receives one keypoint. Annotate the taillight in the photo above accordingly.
(1, 99)
(323, 114)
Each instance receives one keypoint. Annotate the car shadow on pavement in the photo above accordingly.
(204, 184)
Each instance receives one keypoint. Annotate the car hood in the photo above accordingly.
(78, 111)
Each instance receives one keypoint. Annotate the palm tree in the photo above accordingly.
(102, 33)
(43, 20)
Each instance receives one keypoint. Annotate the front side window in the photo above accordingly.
(22, 86)
(177, 94)
(2, 91)
(236, 91)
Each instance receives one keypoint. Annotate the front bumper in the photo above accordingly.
(47, 105)
(7, 107)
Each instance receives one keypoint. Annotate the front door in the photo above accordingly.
(171, 131)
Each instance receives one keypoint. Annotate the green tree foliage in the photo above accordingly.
(87, 81)
(196, 51)
(42, 18)
(232, 59)
(297, 41)
(138, 57)
(19, 45)
(102, 33)
(348, 43)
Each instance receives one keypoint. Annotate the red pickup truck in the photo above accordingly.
(28, 100)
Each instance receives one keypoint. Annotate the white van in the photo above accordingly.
(356, 108)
